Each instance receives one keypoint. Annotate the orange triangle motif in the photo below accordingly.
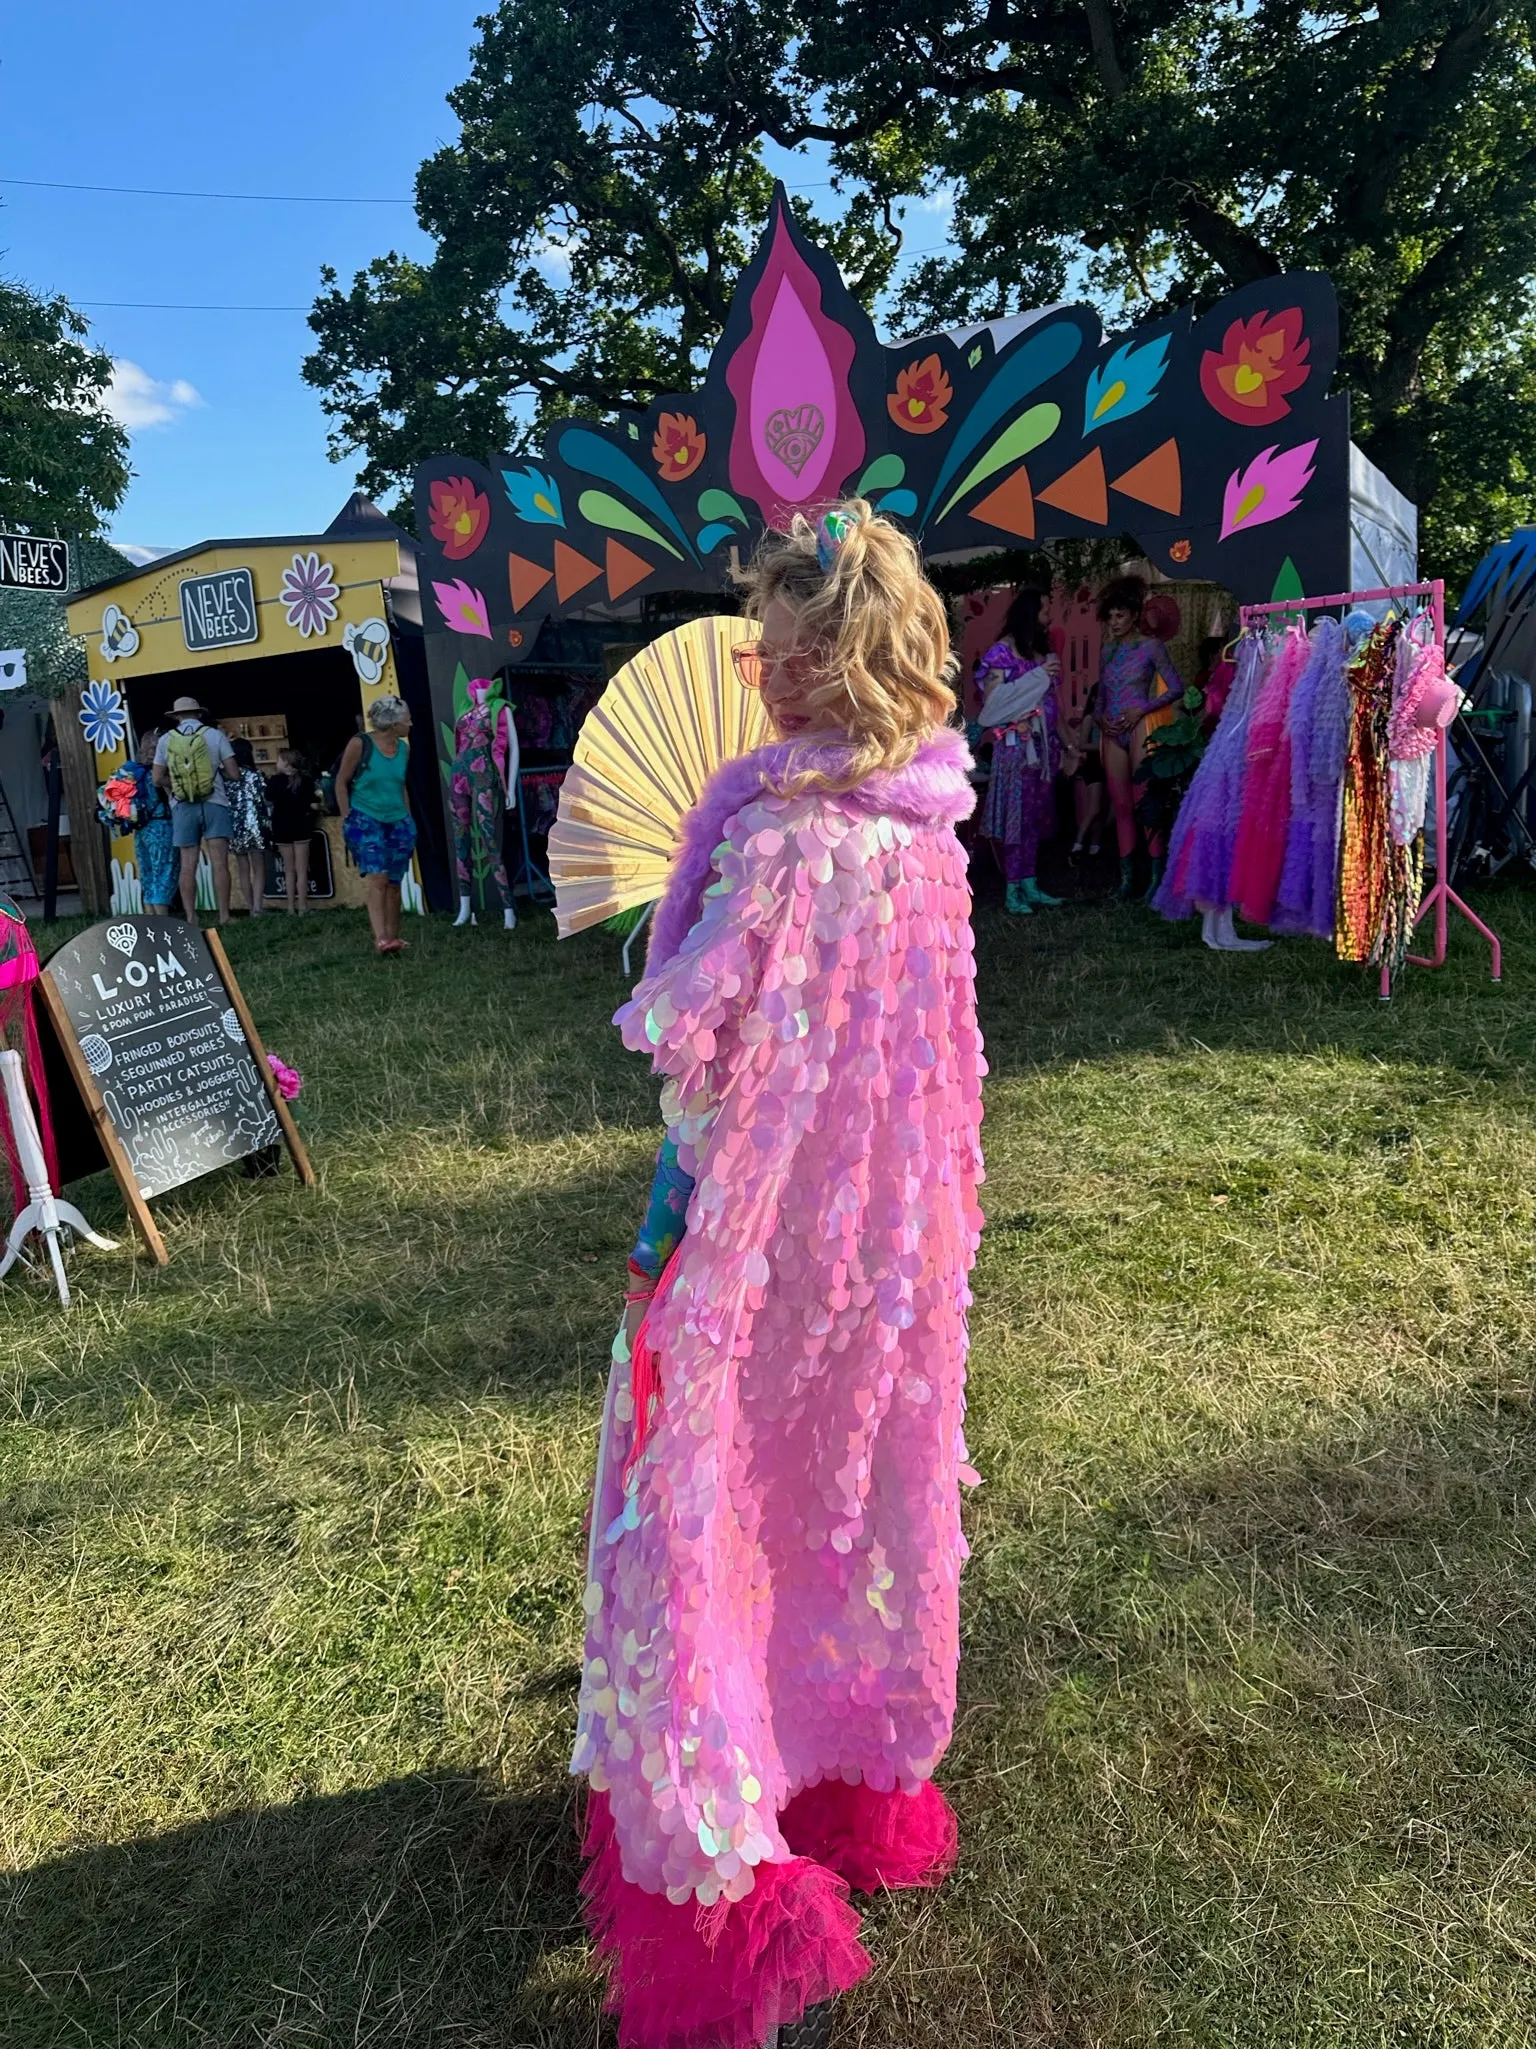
(573, 572)
(625, 569)
(1081, 490)
(527, 580)
(1156, 479)
(1011, 506)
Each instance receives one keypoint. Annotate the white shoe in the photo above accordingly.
(1217, 932)
(466, 916)
(509, 919)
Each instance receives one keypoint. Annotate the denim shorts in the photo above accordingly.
(379, 848)
(193, 823)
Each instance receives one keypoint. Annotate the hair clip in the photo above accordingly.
(832, 530)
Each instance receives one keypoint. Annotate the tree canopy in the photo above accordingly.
(63, 460)
(609, 180)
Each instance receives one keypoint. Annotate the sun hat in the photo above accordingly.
(186, 704)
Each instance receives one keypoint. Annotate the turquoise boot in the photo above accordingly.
(1154, 882)
(1127, 887)
(1034, 894)
(1016, 903)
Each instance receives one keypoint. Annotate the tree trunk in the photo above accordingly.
(87, 842)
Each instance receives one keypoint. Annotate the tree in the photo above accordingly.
(1156, 152)
(591, 219)
(63, 460)
(1183, 149)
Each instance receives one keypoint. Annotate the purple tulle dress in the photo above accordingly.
(1205, 832)
(1319, 730)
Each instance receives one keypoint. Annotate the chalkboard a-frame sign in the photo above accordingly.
(165, 1052)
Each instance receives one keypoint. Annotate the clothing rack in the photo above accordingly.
(1442, 899)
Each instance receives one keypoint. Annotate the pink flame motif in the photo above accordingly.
(1269, 488)
(463, 608)
(797, 434)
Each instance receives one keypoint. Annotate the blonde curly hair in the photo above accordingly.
(875, 631)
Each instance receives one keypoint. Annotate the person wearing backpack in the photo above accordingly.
(195, 764)
(376, 820)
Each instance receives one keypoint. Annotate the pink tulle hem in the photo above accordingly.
(722, 1977)
(874, 1839)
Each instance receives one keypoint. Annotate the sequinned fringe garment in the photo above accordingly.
(1367, 883)
(772, 1597)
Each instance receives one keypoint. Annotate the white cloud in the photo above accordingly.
(139, 555)
(139, 400)
(940, 200)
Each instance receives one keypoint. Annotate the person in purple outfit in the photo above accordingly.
(1017, 678)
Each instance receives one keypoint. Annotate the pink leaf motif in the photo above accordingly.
(1269, 488)
(463, 608)
(794, 434)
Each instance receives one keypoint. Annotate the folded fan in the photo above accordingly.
(666, 722)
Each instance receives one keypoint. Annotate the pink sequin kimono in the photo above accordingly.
(773, 1582)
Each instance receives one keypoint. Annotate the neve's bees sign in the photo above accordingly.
(218, 610)
(30, 564)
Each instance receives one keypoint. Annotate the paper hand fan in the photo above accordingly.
(665, 723)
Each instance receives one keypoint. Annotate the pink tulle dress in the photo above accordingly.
(772, 1593)
(1258, 859)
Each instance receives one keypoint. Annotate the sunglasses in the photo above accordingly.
(747, 660)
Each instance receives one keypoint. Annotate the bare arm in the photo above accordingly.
(351, 755)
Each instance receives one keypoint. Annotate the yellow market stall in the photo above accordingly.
(284, 641)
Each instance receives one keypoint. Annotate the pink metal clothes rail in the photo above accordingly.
(1442, 898)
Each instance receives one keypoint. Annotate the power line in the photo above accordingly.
(165, 306)
(164, 192)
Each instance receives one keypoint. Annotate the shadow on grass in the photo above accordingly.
(1233, 1745)
(428, 1911)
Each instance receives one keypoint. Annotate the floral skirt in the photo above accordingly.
(157, 860)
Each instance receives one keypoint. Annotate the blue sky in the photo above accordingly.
(342, 98)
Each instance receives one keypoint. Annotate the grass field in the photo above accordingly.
(290, 1532)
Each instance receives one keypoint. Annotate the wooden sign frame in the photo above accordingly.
(106, 1132)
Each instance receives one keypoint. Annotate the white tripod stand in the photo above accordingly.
(44, 1212)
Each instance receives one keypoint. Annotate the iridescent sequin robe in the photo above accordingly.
(772, 1598)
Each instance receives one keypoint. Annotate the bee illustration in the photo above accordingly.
(119, 635)
(368, 646)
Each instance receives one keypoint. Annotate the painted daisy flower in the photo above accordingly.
(103, 716)
(309, 594)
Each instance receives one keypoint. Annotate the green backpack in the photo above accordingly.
(190, 767)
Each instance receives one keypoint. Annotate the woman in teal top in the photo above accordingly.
(376, 820)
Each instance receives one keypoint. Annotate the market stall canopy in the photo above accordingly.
(1500, 604)
(1213, 439)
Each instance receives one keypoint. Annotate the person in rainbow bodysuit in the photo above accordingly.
(773, 1576)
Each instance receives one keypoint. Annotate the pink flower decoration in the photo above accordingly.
(289, 1080)
(463, 608)
(1269, 488)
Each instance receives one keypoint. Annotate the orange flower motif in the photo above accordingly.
(1261, 360)
(1181, 551)
(920, 402)
(458, 515)
(678, 447)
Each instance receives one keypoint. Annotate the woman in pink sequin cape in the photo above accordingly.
(772, 1635)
